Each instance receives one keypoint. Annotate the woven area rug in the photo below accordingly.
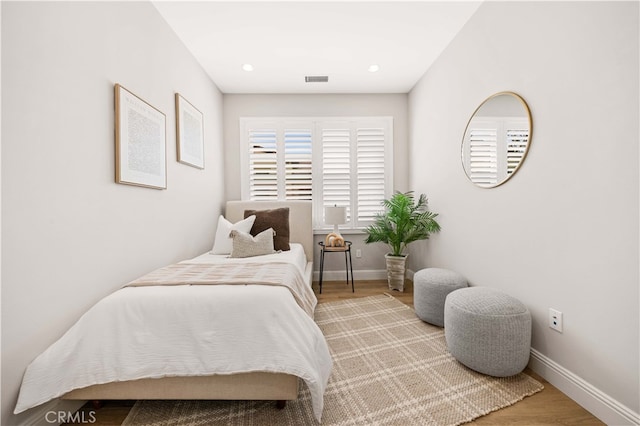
(390, 368)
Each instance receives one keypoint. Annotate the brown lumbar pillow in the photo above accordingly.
(278, 219)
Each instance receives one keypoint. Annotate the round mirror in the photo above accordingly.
(496, 140)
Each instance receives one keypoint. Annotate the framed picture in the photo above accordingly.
(189, 133)
(141, 152)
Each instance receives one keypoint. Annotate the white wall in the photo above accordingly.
(315, 105)
(563, 232)
(70, 235)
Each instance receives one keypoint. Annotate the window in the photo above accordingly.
(496, 148)
(356, 167)
(278, 160)
(346, 162)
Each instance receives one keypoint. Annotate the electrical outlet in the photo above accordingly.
(555, 320)
(358, 253)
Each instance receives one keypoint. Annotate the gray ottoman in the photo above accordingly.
(430, 289)
(488, 331)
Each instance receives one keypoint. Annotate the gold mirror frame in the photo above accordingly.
(500, 141)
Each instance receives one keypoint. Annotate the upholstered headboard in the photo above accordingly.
(300, 221)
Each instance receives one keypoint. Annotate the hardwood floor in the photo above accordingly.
(548, 407)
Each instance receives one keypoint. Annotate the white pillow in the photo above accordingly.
(223, 242)
(246, 245)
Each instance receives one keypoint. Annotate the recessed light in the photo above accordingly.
(374, 68)
(247, 67)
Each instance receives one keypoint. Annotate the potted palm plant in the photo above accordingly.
(403, 222)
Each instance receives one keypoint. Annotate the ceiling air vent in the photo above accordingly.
(316, 79)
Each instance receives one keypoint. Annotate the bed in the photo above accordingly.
(249, 319)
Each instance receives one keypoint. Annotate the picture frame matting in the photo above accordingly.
(189, 133)
(140, 139)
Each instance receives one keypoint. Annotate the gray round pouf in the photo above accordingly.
(430, 289)
(488, 331)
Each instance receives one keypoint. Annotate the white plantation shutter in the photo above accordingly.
(298, 166)
(345, 161)
(483, 155)
(370, 146)
(263, 164)
(517, 141)
(357, 158)
(277, 159)
(336, 167)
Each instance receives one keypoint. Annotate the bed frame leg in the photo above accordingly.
(97, 404)
(280, 404)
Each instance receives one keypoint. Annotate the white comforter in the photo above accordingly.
(154, 332)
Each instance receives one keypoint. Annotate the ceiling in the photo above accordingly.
(286, 41)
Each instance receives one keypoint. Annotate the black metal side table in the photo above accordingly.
(347, 258)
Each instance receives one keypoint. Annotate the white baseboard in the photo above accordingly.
(588, 396)
(39, 415)
(410, 274)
